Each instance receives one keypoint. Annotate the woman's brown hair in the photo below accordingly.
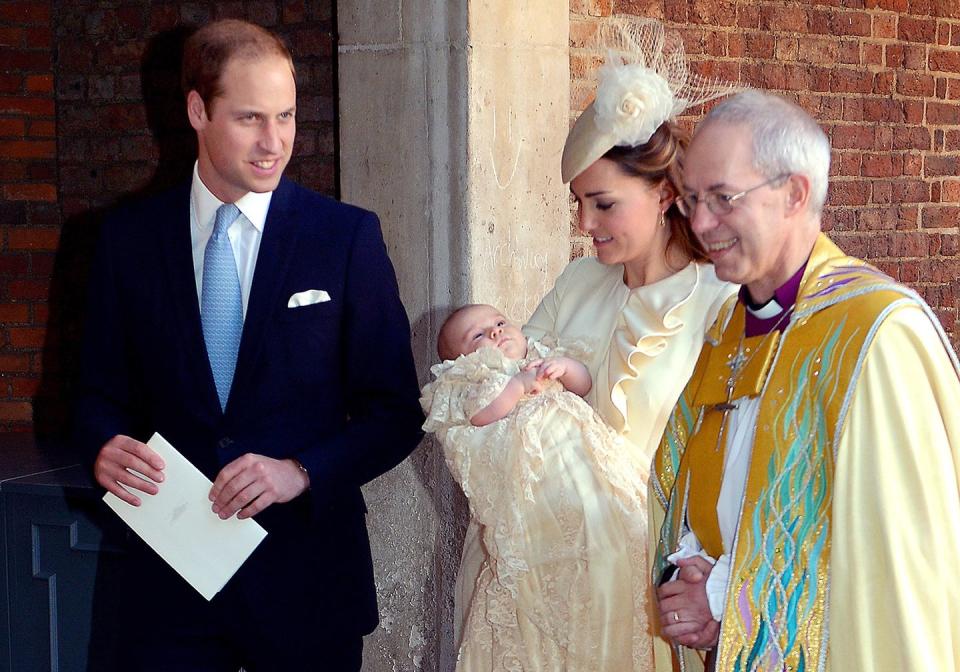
(659, 159)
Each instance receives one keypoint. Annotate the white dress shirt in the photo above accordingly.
(245, 233)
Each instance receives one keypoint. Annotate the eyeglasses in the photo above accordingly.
(717, 202)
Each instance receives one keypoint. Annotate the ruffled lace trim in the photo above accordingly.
(507, 477)
(550, 346)
(468, 383)
(501, 505)
(488, 370)
(652, 315)
(614, 465)
(501, 468)
(464, 386)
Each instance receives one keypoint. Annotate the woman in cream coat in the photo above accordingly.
(643, 304)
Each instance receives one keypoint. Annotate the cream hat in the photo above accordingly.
(643, 83)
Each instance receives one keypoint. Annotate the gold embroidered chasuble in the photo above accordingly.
(776, 614)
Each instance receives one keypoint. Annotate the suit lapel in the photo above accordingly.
(273, 261)
(177, 249)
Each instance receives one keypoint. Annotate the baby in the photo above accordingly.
(555, 578)
(475, 326)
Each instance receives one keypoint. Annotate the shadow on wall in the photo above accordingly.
(450, 506)
(53, 404)
(176, 143)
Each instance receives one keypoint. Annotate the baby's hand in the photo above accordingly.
(533, 365)
(570, 373)
(552, 368)
(528, 378)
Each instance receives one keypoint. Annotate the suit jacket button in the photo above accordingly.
(225, 443)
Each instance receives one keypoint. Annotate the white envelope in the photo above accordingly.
(307, 297)
(179, 524)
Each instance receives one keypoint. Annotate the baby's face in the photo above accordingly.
(481, 326)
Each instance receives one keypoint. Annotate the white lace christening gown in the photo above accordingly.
(561, 508)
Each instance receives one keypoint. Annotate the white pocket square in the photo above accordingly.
(307, 297)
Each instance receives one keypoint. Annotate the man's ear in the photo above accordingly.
(196, 111)
(798, 194)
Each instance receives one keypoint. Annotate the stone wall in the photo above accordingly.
(452, 117)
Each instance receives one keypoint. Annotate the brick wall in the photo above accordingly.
(883, 79)
(90, 112)
(28, 201)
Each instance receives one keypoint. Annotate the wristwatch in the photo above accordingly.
(302, 468)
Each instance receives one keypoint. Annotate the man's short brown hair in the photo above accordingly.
(207, 52)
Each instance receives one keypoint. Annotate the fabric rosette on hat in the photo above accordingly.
(643, 83)
(631, 103)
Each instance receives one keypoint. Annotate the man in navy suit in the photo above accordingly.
(320, 396)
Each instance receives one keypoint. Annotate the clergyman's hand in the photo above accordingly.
(116, 463)
(705, 639)
(253, 482)
(685, 615)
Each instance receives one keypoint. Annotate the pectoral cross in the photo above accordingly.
(736, 364)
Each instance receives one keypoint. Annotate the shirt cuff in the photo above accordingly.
(689, 547)
(717, 586)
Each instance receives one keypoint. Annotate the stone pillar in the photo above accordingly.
(452, 119)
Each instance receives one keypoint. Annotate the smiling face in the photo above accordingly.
(622, 214)
(475, 327)
(245, 134)
(768, 234)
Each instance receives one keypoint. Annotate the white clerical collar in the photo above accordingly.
(252, 205)
(767, 311)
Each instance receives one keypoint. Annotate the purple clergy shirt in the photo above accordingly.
(785, 296)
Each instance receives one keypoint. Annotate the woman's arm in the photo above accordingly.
(543, 322)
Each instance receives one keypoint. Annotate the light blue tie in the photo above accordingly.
(221, 308)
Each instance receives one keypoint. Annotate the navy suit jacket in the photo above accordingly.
(332, 384)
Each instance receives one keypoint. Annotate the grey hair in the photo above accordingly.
(785, 139)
